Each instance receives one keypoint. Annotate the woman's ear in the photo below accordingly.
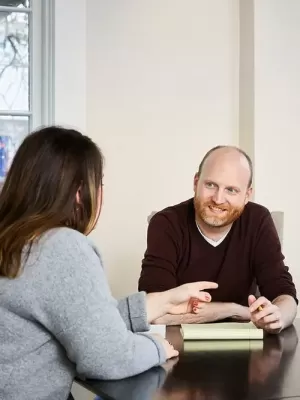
(78, 197)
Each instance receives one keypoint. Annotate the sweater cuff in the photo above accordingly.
(162, 357)
(138, 312)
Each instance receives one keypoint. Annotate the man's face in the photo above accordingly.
(221, 191)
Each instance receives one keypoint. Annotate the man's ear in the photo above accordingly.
(248, 195)
(196, 180)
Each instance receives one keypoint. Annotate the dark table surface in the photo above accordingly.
(216, 371)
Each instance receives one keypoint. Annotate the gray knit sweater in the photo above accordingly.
(58, 319)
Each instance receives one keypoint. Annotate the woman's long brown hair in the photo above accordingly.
(39, 192)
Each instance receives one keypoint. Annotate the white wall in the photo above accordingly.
(162, 88)
(277, 116)
(70, 63)
(70, 83)
(157, 83)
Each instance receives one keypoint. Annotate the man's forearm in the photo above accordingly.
(288, 309)
(209, 313)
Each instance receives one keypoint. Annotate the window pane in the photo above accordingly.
(14, 59)
(15, 3)
(12, 132)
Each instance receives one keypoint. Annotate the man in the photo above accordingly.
(220, 236)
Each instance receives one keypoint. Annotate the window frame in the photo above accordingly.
(41, 64)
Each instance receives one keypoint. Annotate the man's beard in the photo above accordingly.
(213, 220)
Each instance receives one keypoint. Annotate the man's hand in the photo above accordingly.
(207, 312)
(234, 311)
(265, 315)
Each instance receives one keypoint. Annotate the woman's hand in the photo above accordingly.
(193, 295)
(189, 307)
(168, 347)
(179, 300)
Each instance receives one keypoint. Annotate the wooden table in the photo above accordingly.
(269, 372)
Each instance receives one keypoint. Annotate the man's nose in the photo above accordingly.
(218, 197)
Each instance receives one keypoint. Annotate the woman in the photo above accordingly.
(58, 317)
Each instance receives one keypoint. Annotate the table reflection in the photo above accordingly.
(249, 371)
(231, 373)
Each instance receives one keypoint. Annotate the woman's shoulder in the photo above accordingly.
(63, 233)
(65, 240)
(62, 236)
(63, 246)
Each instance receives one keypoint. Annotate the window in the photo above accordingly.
(24, 53)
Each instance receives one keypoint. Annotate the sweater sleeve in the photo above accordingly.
(133, 312)
(272, 275)
(76, 306)
(131, 308)
(160, 262)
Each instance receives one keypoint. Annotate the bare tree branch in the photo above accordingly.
(14, 43)
(13, 3)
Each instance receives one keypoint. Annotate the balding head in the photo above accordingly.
(222, 186)
(233, 154)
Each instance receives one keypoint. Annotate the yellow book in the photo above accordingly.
(223, 345)
(222, 331)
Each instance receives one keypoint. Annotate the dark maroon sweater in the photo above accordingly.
(251, 253)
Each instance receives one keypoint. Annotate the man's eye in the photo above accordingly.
(209, 185)
(231, 190)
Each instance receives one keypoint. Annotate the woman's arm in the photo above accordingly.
(76, 305)
(139, 310)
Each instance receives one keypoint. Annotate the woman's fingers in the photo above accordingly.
(203, 297)
(196, 304)
(205, 285)
(196, 290)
